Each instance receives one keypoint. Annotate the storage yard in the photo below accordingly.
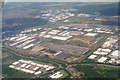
(62, 56)
(70, 49)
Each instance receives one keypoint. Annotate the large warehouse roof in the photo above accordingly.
(116, 53)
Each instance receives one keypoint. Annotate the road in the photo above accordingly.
(35, 58)
(60, 64)
(102, 65)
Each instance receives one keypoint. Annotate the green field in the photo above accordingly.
(64, 74)
(12, 73)
(97, 71)
(78, 19)
(109, 72)
(89, 71)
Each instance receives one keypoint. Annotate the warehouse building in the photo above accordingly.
(56, 75)
(102, 51)
(92, 56)
(91, 34)
(102, 59)
(30, 67)
(115, 54)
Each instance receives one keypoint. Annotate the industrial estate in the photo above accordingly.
(72, 44)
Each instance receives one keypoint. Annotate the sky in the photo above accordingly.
(62, 0)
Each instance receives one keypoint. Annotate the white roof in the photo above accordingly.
(24, 61)
(106, 44)
(27, 66)
(11, 66)
(15, 63)
(118, 61)
(23, 65)
(28, 71)
(36, 68)
(25, 43)
(33, 63)
(56, 75)
(101, 31)
(116, 53)
(12, 38)
(18, 68)
(102, 59)
(91, 34)
(92, 56)
(105, 50)
(21, 41)
(21, 38)
(45, 66)
(40, 65)
(53, 32)
(61, 38)
(100, 53)
(37, 72)
(47, 36)
(28, 46)
(88, 30)
(110, 61)
(49, 68)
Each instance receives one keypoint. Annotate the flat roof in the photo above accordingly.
(116, 53)
(100, 53)
(91, 34)
(30, 67)
(102, 59)
(92, 56)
